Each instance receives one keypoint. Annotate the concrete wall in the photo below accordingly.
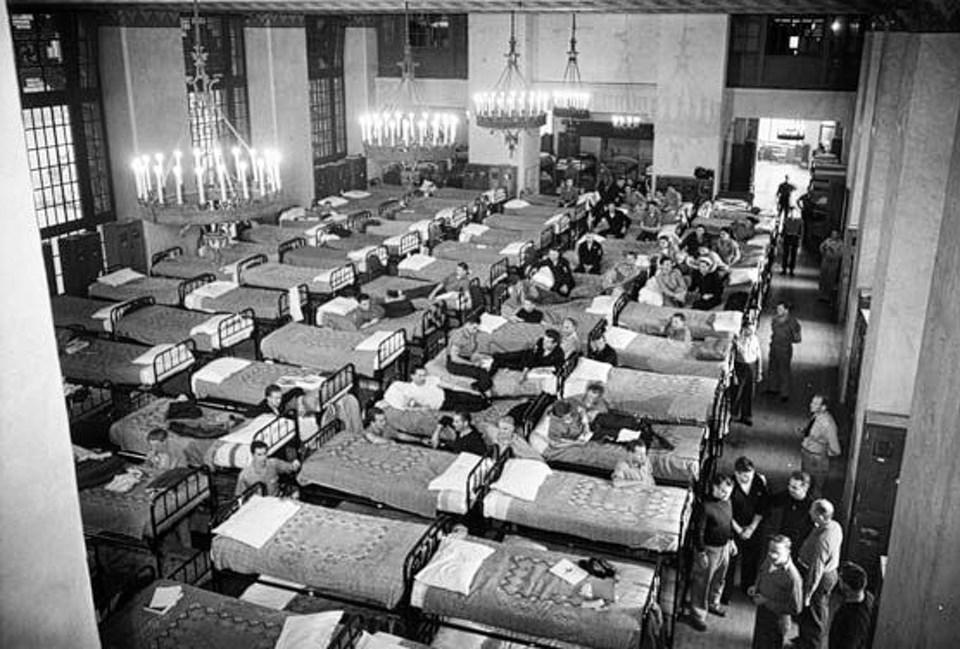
(278, 89)
(691, 72)
(46, 599)
(794, 104)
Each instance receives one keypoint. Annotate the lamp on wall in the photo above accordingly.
(572, 101)
(403, 130)
(208, 184)
(511, 106)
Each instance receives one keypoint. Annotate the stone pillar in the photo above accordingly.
(914, 190)
(279, 101)
(360, 66)
(691, 76)
(144, 101)
(919, 606)
(46, 599)
(489, 34)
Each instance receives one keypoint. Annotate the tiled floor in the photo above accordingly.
(773, 443)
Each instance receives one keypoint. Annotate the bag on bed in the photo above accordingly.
(199, 431)
(712, 349)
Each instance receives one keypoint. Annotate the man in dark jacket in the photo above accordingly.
(546, 352)
(712, 544)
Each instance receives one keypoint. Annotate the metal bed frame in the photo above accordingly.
(165, 366)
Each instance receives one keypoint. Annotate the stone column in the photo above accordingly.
(360, 73)
(919, 602)
(691, 76)
(278, 89)
(46, 599)
(922, 141)
(489, 35)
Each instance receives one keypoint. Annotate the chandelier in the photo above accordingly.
(403, 130)
(211, 185)
(511, 107)
(572, 101)
(627, 121)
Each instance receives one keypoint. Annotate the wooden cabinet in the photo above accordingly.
(875, 489)
(484, 177)
(124, 245)
(81, 260)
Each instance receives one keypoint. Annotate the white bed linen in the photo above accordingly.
(217, 371)
(258, 520)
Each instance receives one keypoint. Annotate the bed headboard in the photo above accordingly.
(569, 365)
(249, 262)
(326, 432)
(194, 571)
(597, 330)
(423, 551)
(410, 243)
(357, 220)
(188, 286)
(349, 632)
(618, 306)
(343, 278)
(291, 244)
(499, 271)
(389, 207)
(459, 217)
(534, 413)
(123, 308)
(337, 385)
(232, 507)
(546, 239)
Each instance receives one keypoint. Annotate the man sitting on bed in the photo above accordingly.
(464, 359)
(706, 285)
(378, 431)
(634, 470)
(368, 313)
(271, 403)
(460, 435)
(546, 352)
(566, 426)
(528, 312)
(264, 469)
(161, 456)
(397, 305)
(423, 392)
(623, 272)
(589, 254)
(458, 282)
(563, 280)
(601, 351)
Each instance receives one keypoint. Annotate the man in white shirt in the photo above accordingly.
(820, 443)
(748, 372)
(423, 392)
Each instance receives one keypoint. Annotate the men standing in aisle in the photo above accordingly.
(784, 192)
(850, 626)
(786, 333)
(792, 233)
(819, 559)
(749, 503)
(789, 510)
(778, 594)
(820, 443)
(713, 543)
(747, 368)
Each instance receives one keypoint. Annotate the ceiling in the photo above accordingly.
(499, 6)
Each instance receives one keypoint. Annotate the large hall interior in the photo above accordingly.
(480, 324)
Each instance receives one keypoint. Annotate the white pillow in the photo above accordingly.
(544, 278)
(454, 566)
(342, 306)
(516, 204)
(522, 479)
(727, 321)
(619, 338)
(302, 631)
(119, 277)
(455, 477)
(258, 520)
(649, 296)
(490, 322)
(333, 201)
(356, 194)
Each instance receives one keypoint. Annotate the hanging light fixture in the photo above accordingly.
(572, 101)
(511, 106)
(627, 121)
(403, 130)
(220, 186)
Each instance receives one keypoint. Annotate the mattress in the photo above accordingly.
(200, 618)
(325, 349)
(515, 590)
(357, 241)
(412, 288)
(91, 315)
(188, 267)
(358, 557)
(270, 236)
(591, 508)
(154, 325)
(241, 381)
(129, 514)
(681, 399)
(477, 253)
(663, 356)
(498, 238)
(680, 465)
(264, 302)
(164, 290)
(283, 277)
(506, 383)
(411, 324)
(438, 270)
(421, 423)
(403, 473)
(119, 363)
(649, 319)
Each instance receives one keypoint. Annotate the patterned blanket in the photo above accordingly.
(246, 386)
(155, 325)
(163, 289)
(352, 555)
(319, 347)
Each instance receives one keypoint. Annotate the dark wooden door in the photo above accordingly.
(81, 261)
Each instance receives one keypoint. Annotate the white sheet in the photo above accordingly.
(496, 505)
(381, 640)
(489, 322)
(416, 262)
(516, 204)
(270, 596)
(242, 437)
(727, 321)
(258, 520)
(602, 305)
(744, 276)
(356, 194)
(513, 249)
(120, 277)
(333, 201)
(619, 338)
(308, 631)
(453, 567)
(560, 222)
(359, 257)
(217, 371)
(312, 234)
(522, 478)
(341, 306)
(103, 315)
(455, 477)
(472, 230)
(213, 290)
(372, 342)
(296, 308)
(587, 371)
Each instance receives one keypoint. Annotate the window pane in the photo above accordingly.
(56, 192)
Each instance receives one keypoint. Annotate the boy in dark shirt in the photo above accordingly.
(397, 305)
(528, 311)
(546, 352)
(850, 628)
(712, 544)
(601, 351)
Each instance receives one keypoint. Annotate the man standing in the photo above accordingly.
(749, 503)
(792, 234)
(786, 334)
(747, 370)
(784, 192)
(819, 559)
(850, 627)
(819, 444)
(777, 593)
(713, 543)
(789, 511)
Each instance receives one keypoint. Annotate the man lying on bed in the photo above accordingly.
(457, 283)
(423, 392)
(379, 430)
(546, 352)
(367, 313)
(459, 435)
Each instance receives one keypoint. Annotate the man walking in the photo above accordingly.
(786, 333)
(819, 444)
(819, 559)
(777, 593)
(747, 369)
(784, 192)
(713, 543)
(792, 234)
